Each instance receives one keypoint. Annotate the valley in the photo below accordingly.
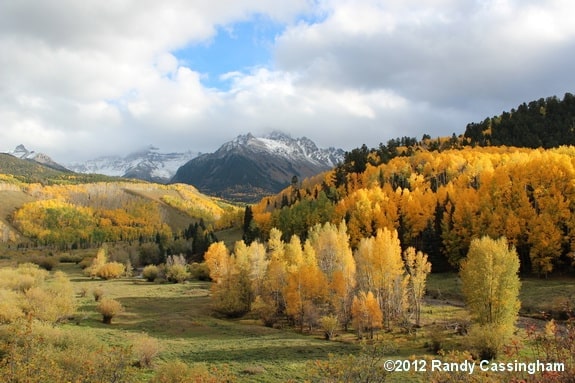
(412, 252)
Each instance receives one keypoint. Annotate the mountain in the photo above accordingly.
(249, 167)
(147, 164)
(21, 152)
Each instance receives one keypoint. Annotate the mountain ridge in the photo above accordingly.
(147, 164)
(248, 167)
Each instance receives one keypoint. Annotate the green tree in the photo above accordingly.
(491, 285)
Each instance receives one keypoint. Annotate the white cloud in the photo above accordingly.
(74, 74)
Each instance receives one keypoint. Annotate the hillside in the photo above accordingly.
(88, 214)
(439, 201)
(545, 123)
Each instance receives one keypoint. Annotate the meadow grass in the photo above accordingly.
(181, 318)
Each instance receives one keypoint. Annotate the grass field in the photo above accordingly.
(180, 317)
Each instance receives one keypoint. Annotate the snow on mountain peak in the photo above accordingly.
(284, 145)
(148, 164)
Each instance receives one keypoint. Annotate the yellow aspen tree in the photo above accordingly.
(418, 268)
(276, 273)
(490, 283)
(545, 239)
(380, 269)
(306, 288)
(258, 264)
(335, 259)
(366, 313)
(217, 258)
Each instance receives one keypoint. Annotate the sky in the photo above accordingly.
(81, 79)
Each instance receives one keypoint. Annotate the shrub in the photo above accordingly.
(71, 258)
(146, 349)
(109, 308)
(111, 270)
(150, 273)
(34, 352)
(265, 311)
(177, 273)
(46, 263)
(200, 271)
(98, 292)
(10, 306)
(53, 302)
(329, 325)
(97, 262)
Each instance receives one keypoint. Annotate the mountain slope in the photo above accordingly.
(249, 167)
(147, 165)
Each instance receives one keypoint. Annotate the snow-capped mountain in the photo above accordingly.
(21, 152)
(249, 167)
(147, 164)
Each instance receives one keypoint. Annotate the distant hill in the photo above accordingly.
(545, 123)
(250, 167)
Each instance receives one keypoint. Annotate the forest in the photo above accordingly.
(439, 201)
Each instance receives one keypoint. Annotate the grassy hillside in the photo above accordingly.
(69, 215)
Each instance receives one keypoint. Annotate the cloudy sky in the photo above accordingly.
(80, 79)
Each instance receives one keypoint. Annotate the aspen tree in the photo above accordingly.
(491, 285)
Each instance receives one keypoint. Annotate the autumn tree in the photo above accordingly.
(417, 269)
(366, 314)
(276, 273)
(231, 289)
(306, 287)
(335, 259)
(380, 269)
(491, 285)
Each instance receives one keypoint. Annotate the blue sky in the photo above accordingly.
(237, 47)
(90, 78)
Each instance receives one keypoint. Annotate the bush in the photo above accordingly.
(329, 325)
(111, 270)
(265, 311)
(200, 271)
(98, 292)
(10, 306)
(71, 258)
(146, 349)
(53, 302)
(46, 263)
(177, 273)
(109, 308)
(34, 352)
(150, 273)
